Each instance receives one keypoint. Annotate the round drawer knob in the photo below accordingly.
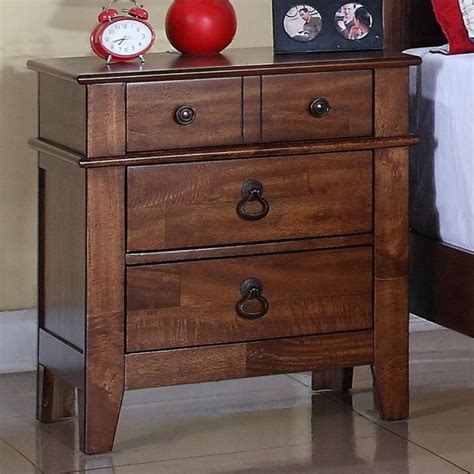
(319, 107)
(185, 115)
(251, 292)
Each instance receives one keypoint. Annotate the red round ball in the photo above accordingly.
(201, 26)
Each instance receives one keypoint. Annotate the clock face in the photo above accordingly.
(126, 38)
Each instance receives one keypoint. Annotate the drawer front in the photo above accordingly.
(206, 302)
(287, 101)
(183, 114)
(203, 204)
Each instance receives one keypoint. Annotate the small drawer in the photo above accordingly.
(248, 298)
(316, 106)
(242, 201)
(184, 114)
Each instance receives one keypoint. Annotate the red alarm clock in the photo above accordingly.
(126, 37)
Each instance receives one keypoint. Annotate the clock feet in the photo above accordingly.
(141, 58)
(109, 60)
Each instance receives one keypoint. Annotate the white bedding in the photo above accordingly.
(442, 166)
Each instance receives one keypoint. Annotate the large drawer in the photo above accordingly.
(184, 114)
(239, 201)
(317, 105)
(220, 301)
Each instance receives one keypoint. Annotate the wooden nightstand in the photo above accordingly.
(212, 218)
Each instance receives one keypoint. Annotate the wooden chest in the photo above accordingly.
(212, 218)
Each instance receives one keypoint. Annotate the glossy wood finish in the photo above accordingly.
(316, 251)
(227, 153)
(442, 284)
(193, 303)
(233, 63)
(391, 282)
(106, 120)
(192, 205)
(62, 250)
(101, 398)
(265, 248)
(156, 369)
(151, 109)
(286, 101)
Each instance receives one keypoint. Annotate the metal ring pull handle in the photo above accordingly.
(320, 107)
(185, 115)
(252, 191)
(251, 290)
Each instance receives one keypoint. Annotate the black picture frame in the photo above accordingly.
(296, 32)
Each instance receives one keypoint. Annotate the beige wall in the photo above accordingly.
(49, 28)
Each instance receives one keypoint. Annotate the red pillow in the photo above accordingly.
(449, 16)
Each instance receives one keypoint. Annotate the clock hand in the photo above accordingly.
(120, 39)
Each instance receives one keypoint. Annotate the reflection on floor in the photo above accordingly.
(266, 425)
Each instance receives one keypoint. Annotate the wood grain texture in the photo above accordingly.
(55, 398)
(396, 22)
(252, 110)
(205, 364)
(286, 103)
(101, 398)
(391, 282)
(391, 102)
(62, 207)
(333, 379)
(442, 284)
(62, 113)
(189, 304)
(182, 206)
(105, 120)
(151, 112)
(249, 249)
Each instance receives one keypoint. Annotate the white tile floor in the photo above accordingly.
(266, 425)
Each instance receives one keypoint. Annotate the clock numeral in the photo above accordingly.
(143, 36)
(107, 39)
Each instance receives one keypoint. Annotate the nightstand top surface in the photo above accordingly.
(233, 62)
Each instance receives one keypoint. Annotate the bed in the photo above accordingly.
(442, 172)
(442, 190)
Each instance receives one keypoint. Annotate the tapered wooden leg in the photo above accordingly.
(100, 399)
(390, 367)
(55, 397)
(98, 419)
(333, 379)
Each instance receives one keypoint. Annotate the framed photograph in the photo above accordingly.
(327, 25)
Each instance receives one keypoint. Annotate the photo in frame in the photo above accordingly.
(327, 25)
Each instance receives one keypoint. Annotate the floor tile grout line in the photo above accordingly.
(386, 428)
(381, 426)
(29, 461)
(226, 453)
